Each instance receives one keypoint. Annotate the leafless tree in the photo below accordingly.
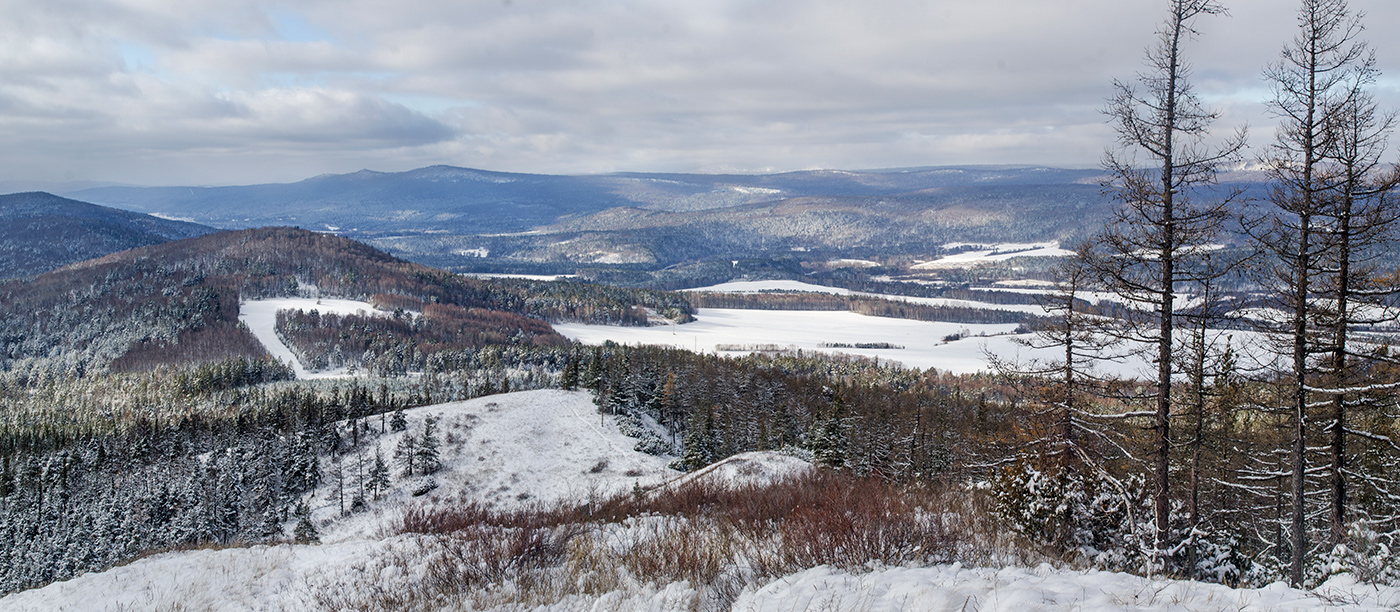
(1322, 223)
(1169, 217)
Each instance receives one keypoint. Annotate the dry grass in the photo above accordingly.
(718, 540)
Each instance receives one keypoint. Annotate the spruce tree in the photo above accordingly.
(378, 474)
(305, 530)
(399, 421)
(405, 454)
(427, 452)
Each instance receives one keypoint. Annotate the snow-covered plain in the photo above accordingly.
(261, 318)
(992, 253)
(808, 330)
(793, 285)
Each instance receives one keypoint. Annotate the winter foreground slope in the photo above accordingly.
(533, 449)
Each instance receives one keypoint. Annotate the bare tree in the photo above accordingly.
(1318, 228)
(1063, 387)
(1169, 216)
(1360, 223)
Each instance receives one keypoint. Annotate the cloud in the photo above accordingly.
(164, 91)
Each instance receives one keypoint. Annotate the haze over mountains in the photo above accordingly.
(456, 217)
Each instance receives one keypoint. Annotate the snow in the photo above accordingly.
(852, 263)
(808, 330)
(1017, 589)
(253, 578)
(261, 318)
(992, 253)
(536, 277)
(755, 468)
(289, 577)
(766, 286)
(1025, 282)
(792, 285)
(505, 451)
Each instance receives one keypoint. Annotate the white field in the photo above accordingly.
(807, 330)
(793, 285)
(922, 341)
(261, 318)
(536, 277)
(767, 286)
(992, 253)
(544, 445)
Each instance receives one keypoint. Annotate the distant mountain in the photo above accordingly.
(467, 201)
(41, 231)
(461, 218)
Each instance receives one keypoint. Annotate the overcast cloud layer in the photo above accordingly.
(243, 91)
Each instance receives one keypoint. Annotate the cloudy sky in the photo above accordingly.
(245, 91)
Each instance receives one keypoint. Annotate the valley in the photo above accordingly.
(279, 415)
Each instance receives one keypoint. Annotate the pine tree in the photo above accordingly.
(399, 421)
(427, 452)
(405, 454)
(305, 531)
(378, 474)
(569, 380)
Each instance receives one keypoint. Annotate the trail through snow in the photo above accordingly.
(261, 318)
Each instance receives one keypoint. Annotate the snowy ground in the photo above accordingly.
(793, 285)
(545, 445)
(504, 451)
(989, 253)
(261, 318)
(536, 277)
(1015, 589)
(808, 330)
(755, 468)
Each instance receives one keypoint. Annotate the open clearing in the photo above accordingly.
(923, 342)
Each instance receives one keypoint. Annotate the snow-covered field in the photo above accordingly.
(536, 277)
(808, 330)
(766, 286)
(992, 253)
(547, 445)
(793, 285)
(261, 318)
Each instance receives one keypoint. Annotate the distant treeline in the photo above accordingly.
(870, 306)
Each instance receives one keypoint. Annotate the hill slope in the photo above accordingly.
(545, 446)
(178, 303)
(41, 231)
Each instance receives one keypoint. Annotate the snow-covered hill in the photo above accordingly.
(503, 451)
(508, 451)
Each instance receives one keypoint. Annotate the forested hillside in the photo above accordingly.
(177, 303)
(41, 231)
